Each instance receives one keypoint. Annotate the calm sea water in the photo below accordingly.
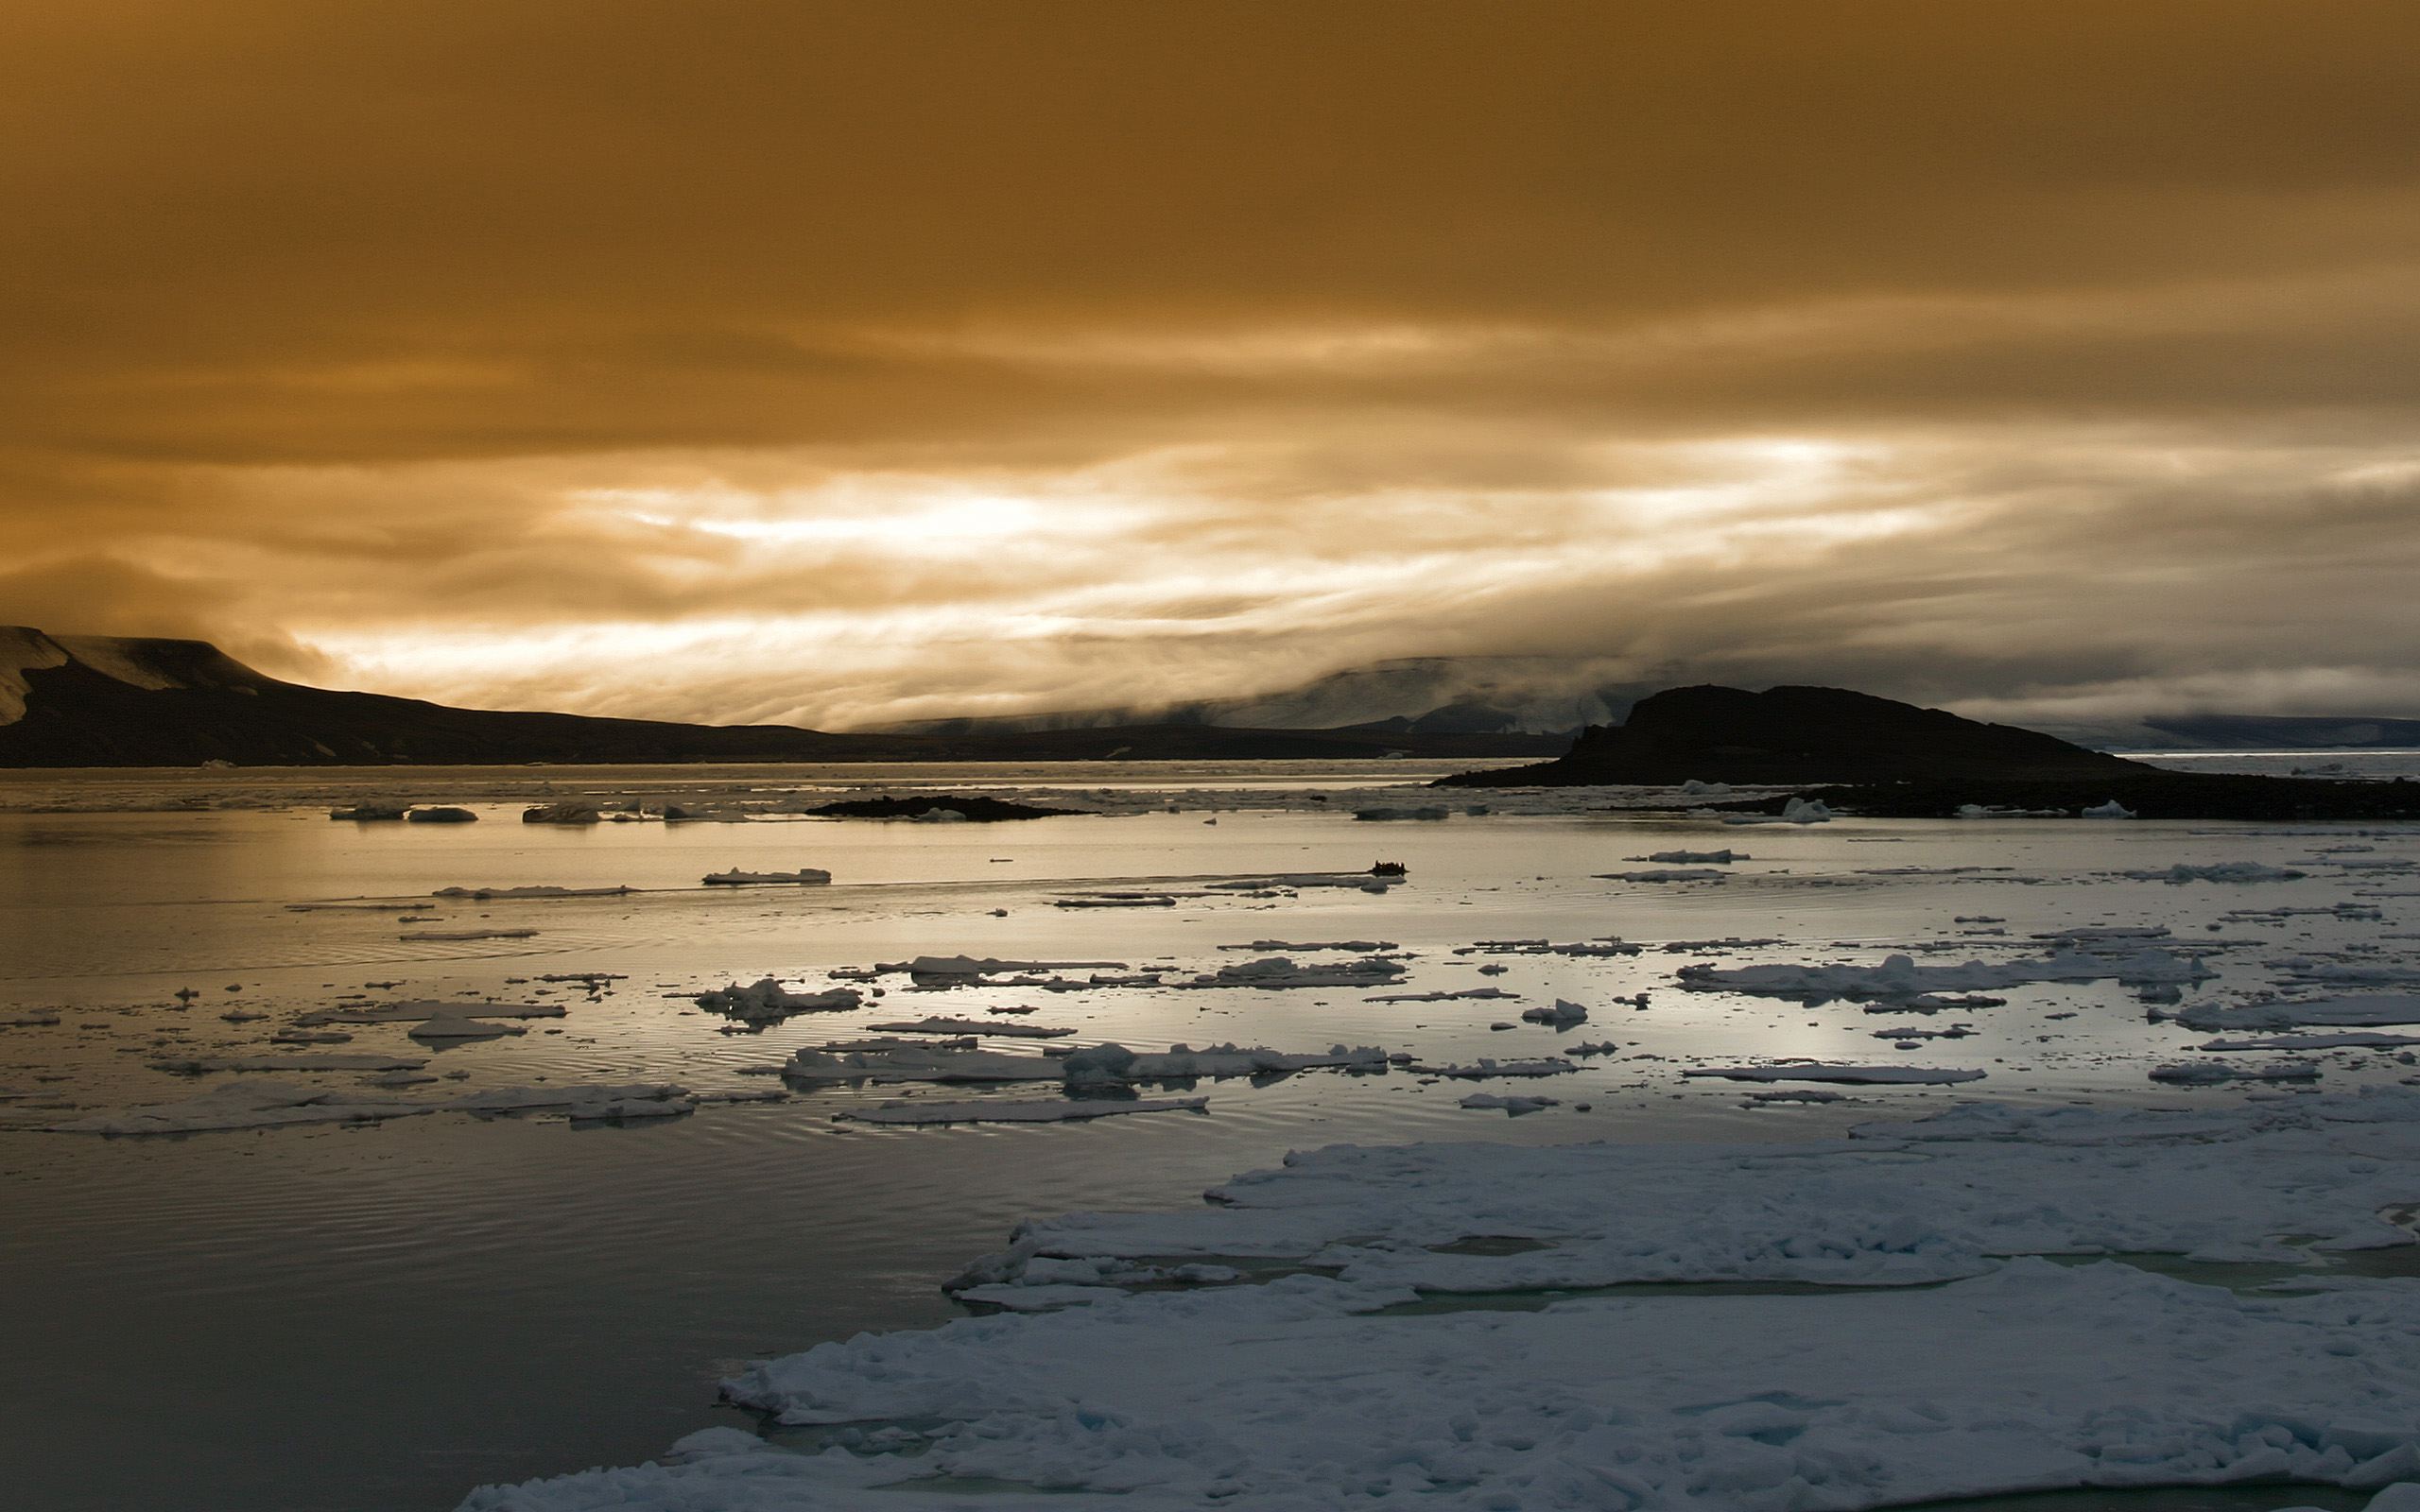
(379, 1317)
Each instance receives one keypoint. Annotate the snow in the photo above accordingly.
(1827, 1071)
(1049, 1111)
(22, 651)
(735, 878)
(1318, 1391)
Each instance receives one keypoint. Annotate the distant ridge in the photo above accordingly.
(112, 701)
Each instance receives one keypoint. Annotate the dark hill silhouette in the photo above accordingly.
(1800, 734)
(108, 701)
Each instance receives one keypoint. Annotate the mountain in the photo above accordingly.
(106, 701)
(1799, 734)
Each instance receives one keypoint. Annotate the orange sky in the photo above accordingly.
(841, 363)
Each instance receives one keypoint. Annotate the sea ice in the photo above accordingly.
(1048, 1110)
(2213, 1072)
(1311, 1392)
(2384, 1009)
(1514, 1105)
(1827, 1071)
(1665, 874)
(455, 1026)
(735, 878)
(1279, 971)
(1900, 977)
(961, 1026)
(767, 1001)
(2235, 871)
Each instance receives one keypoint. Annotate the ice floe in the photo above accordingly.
(1321, 1391)
(1277, 971)
(963, 1026)
(1048, 1110)
(2214, 1073)
(2235, 871)
(2375, 1009)
(1818, 1071)
(1900, 977)
(806, 876)
(765, 1001)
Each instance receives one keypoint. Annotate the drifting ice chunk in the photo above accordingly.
(767, 1001)
(1052, 1110)
(2211, 1073)
(1820, 1071)
(1562, 1016)
(2383, 1008)
(2110, 810)
(633, 1100)
(1795, 811)
(2356, 1040)
(1665, 874)
(2236, 872)
(454, 1027)
(1900, 977)
(804, 875)
(1695, 858)
(1514, 1105)
(925, 1063)
(196, 1068)
(1006, 1031)
(1112, 1063)
(371, 812)
(1278, 972)
(424, 1008)
(243, 1105)
(510, 894)
(1484, 1067)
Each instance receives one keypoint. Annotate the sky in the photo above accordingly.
(848, 362)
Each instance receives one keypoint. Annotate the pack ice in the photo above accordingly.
(1299, 1378)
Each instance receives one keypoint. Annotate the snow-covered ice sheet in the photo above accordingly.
(1319, 1391)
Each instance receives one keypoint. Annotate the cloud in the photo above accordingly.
(847, 363)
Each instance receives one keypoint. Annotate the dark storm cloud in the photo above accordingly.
(668, 358)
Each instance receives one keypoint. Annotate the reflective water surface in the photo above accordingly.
(380, 1316)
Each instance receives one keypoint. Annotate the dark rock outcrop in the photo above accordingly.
(1802, 735)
